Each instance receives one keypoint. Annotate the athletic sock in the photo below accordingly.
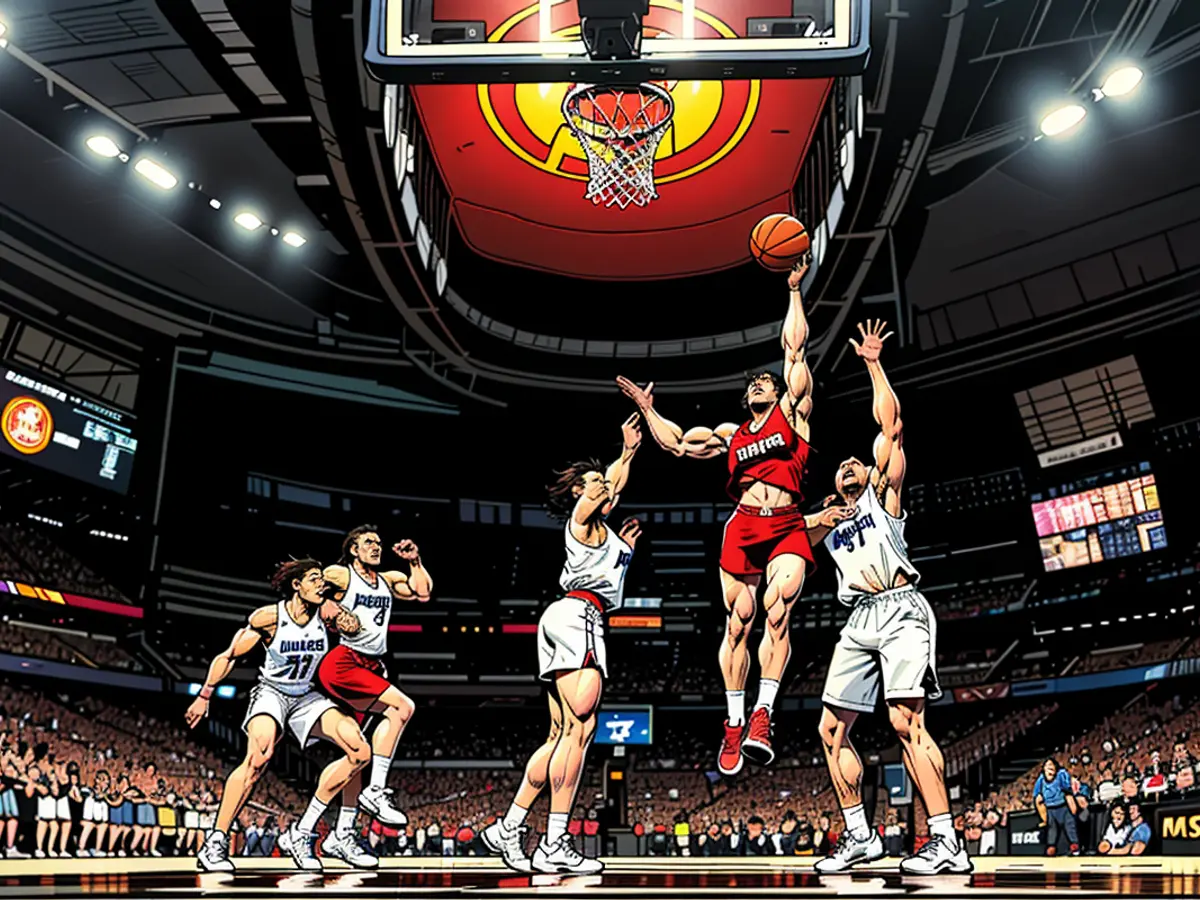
(556, 827)
(767, 689)
(346, 819)
(380, 766)
(943, 826)
(736, 700)
(856, 822)
(514, 818)
(312, 815)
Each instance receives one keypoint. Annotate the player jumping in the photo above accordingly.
(572, 657)
(354, 672)
(767, 461)
(296, 638)
(891, 636)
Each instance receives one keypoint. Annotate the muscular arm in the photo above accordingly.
(337, 577)
(696, 443)
(416, 585)
(337, 617)
(261, 621)
(890, 462)
(815, 530)
(797, 404)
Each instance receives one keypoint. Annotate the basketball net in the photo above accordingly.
(619, 129)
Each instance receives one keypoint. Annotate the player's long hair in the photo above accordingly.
(351, 539)
(289, 571)
(751, 377)
(560, 499)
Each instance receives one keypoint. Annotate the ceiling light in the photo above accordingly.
(1063, 120)
(294, 240)
(3, 29)
(103, 145)
(214, 203)
(248, 220)
(1122, 81)
(155, 174)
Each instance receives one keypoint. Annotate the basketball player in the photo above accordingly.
(296, 639)
(572, 657)
(354, 674)
(889, 640)
(766, 533)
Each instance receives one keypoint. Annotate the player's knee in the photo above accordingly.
(258, 757)
(904, 721)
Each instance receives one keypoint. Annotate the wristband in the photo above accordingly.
(206, 692)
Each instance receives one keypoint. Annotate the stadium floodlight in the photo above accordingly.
(1122, 81)
(214, 203)
(292, 239)
(248, 220)
(1063, 120)
(103, 145)
(155, 174)
(3, 29)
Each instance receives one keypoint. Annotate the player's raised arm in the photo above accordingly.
(417, 584)
(617, 474)
(890, 462)
(697, 443)
(261, 621)
(797, 403)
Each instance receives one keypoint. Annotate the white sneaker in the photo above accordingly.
(562, 858)
(214, 855)
(378, 802)
(509, 844)
(850, 852)
(937, 856)
(83, 854)
(39, 854)
(301, 847)
(14, 853)
(346, 848)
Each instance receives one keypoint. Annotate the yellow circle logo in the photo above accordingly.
(710, 120)
(28, 425)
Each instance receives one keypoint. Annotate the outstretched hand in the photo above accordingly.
(643, 397)
(631, 433)
(832, 516)
(799, 270)
(406, 550)
(872, 339)
(631, 530)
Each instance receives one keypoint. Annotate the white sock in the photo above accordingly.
(514, 818)
(736, 701)
(312, 815)
(380, 766)
(556, 827)
(856, 822)
(943, 826)
(767, 689)
(347, 817)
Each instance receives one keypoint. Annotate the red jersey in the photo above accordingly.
(774, 455)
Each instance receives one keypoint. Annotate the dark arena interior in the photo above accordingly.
(272, 271)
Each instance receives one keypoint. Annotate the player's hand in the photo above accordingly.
(830, 500)
(406, 550)
(799, 270)
(631, 530)
(631, 432)
(643, 397)
(872, 340)
(197, 711)
(832, 516)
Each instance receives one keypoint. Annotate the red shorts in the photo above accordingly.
(752, 540)
(353, 678)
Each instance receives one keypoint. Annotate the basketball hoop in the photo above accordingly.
(619, 129)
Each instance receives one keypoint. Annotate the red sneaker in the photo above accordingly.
(757, 745)
(730, 761)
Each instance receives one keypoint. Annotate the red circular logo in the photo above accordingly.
(28, 425)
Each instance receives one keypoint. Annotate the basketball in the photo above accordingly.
(778, 241)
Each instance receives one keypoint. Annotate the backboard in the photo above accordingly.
(539, 41)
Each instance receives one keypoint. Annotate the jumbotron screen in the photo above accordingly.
(53, 427)
(1122, 518)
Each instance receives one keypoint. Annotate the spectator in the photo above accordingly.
(1116, 836)
(757, 841)
(1056, 806)
(95, 816)
(1136, 835)
(989, 838)
(1083, 809)
(785, 838)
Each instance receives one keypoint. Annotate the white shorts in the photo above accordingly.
(191, 819)
(301, 714)
(207, 821)
(95, 810)
(63, 806)
(570, 636)
(890, 636)
(47, 809)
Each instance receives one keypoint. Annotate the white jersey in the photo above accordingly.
(600, 570)
(294, 653)
(869, 549)
(373, 606)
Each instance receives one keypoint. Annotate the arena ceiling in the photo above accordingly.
(941, 211)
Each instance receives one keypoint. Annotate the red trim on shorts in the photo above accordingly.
(588, 597)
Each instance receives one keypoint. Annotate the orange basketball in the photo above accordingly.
(778, 241)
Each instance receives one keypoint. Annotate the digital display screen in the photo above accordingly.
(56, 428)
(624, 726)
(1110, 521)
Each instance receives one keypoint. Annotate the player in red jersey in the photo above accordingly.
(766, 534)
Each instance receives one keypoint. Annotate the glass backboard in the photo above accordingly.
(534, 41)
